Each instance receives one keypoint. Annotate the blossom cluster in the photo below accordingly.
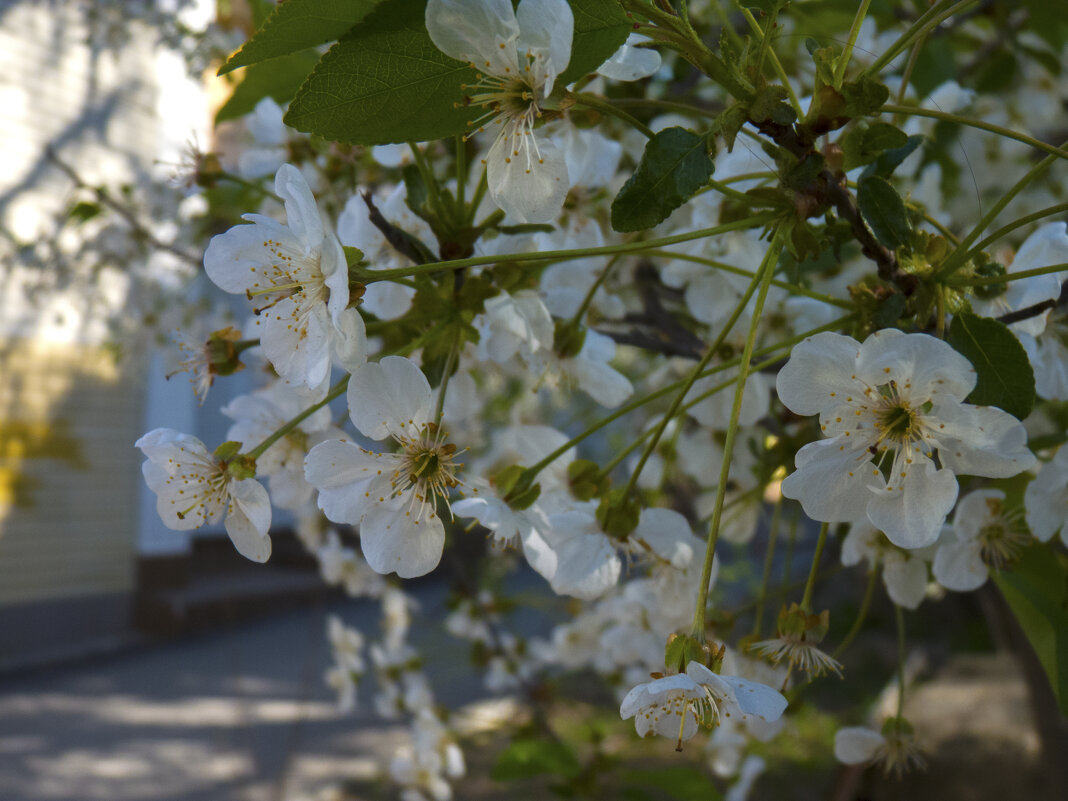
(445, 354)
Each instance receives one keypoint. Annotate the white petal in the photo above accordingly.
(349, 340)
(974, 514)
(302, 215)
(296, 340)
(527, 179)
(237, 259)
(395, 541)
(249, 519)
(855, 745)
(630, 63)
(905, 580)
(474, 30)
(754, 698)
(911, 512)
(546, 28)
(1046, 498)
(389, 397)
(980, 440)
(959, 566)
(924, 367)
(667, 534)
(832, 482)
(345, 476)
(820, 370)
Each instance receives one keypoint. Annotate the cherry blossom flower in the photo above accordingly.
(984, 535)
(675, 706)
(392, 496)
(895, 748)
(519, 54)
(194, 488)
(904, 572)
(891, 404)
(298, 273)
(1046, 499)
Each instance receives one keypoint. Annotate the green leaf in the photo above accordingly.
(1005, 377)
(889, 161)
(865, 143)
(884, 211)
(674, 166)
(529, 757)
(1036, 590)
(601, 27)
(279, 78)
(384, 82)
(297, 25)
(863, 96)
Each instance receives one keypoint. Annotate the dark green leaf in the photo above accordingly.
(279, 78)
(884, 211)
(674, 166)
(1005, 377)
(1036, 589)
(385, 82)
(601, 27)
(682, 782)
(864, 144)
(729, 122)
(889, 161)
(864, 96)
(770, 105)
(297, 25)
(529, 757)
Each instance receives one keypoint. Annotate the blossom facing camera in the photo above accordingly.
(519, 54)
(195, 488)
(393, 497)
(897, 432)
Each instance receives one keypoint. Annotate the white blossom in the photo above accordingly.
(891, 404)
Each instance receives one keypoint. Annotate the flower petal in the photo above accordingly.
(474, 30)
(912, 512)
(820, 369)
(855, 745)
(527, 177)
(959, 566)
(389, 397)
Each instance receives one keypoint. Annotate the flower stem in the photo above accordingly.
(773, 532)
(1004, 279)
(603, 106)
(710, 351)
(862, 614)
(959, 256)
(588, 299)
(624, 410)
(899, 616)
(461, 172)
(928, 21)
(854, 32)
(334, 392)
(806, 599)
(432, 188)
(1049, 211)
(1008, 133)
(573, 253)
(767, 269)
(765, 49)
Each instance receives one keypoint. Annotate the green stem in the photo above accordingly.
(588, 299)
(573, 253)
(603, 106)
(534, 469)
(906, 75)
(432, 188)
(927, 22)
(773, 531)
(480, 193)
(677, 401)
(958, 257)
(1008, 133)
(334, 392)
(806, 599)
(771, 258)
(1049, 211)
(439, 407)
(1004, 279)
(765, 48)
(730, 268)
(899, 616)
(664, 105)
(854, 32)
(862, 614)
(461, 172)
(788, 562)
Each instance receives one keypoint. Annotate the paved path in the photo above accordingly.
(235, 715)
